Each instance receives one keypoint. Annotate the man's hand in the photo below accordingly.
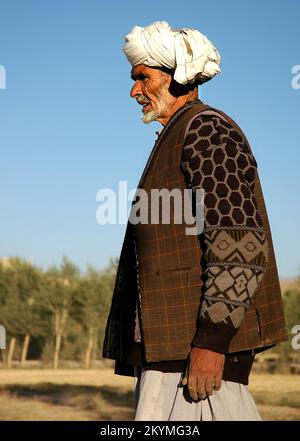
(204, 373)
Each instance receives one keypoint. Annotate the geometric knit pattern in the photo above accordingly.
(235, 260)
(242, 245)
(217, 159)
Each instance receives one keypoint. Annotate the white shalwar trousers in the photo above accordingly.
(159, 397)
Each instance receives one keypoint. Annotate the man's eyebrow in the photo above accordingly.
(137, 76)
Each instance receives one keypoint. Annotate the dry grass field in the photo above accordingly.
(100, 395)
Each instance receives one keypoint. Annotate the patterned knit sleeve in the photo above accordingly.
(217, 159)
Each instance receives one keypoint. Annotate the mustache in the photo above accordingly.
(142, 99)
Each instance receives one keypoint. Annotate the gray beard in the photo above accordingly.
(162, 106)
(150, 116)
(154, 115)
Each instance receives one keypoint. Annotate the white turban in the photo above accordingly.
(186, 51)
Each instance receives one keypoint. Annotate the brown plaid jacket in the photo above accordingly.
(162, 265)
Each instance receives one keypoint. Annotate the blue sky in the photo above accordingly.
(69, 128)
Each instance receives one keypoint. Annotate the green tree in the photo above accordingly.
(20, 312)
(59, 288)
(291, 303)
(93, 299)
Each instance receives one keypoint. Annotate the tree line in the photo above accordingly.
(60, 313)
(289, 352)
(54, 314)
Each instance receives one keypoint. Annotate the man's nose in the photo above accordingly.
(136, 90)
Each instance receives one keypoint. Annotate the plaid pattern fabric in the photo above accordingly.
(169, 270)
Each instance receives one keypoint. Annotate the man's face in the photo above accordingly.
(151, 90)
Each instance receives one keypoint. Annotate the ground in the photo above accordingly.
(98, 395)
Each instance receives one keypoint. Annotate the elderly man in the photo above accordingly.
(189, 312)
